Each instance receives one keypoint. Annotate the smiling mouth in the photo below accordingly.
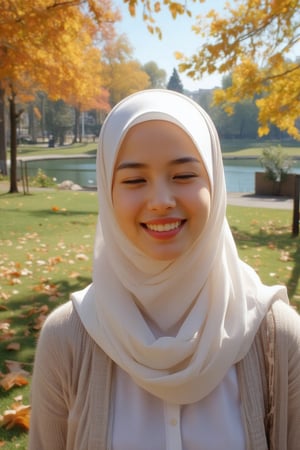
(163, 227)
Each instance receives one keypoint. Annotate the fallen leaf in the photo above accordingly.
(14, 366)
(14, 281)
(82, 257)
(5, 331)
(13, 379)
(13, 346)
(74, 275)
(18, 415)
(284, 256)
(4, 326)
(39, 322)
(55, 260)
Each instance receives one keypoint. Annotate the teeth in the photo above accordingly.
(163, 227)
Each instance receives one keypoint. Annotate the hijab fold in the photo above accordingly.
(176, 327)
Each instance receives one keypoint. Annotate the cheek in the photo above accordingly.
(200, 205)
(198, 196)
(205, 198)
(126, 203)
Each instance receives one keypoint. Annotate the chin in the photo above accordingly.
(164, 255)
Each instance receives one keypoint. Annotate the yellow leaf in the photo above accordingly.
(18, 415)
(82, 257)
(157, 7)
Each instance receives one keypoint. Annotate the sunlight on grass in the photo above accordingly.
(46, 247)
(264, 241)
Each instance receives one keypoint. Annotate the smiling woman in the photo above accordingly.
(161, 203)
(175, 337)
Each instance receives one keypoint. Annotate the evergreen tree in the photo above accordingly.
(175, 83)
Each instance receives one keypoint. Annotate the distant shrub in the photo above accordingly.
(42, 180)
(276, 163)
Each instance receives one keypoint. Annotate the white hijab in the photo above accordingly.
(207, 304)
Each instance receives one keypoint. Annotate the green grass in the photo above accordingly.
(264, 241)
(43, 150)
(230, 147)
(46, 242)
(253, 147)
(293, 152)
(46, 245)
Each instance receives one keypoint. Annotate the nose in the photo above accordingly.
(161, 197)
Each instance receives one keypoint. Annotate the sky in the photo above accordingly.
(177, 36)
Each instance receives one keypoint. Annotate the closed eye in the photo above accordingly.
(134, 181)
(185, 176)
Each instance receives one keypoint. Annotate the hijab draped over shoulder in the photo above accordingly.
(176, 327)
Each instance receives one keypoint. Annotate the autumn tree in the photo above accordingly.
(88, 90)
(122, 74)
(157, 76)
(42, 46)
(253, 40)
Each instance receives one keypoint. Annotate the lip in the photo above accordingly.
(164, 228)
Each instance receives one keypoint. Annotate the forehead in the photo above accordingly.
(147, 138)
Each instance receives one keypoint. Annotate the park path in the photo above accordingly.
(258, 201)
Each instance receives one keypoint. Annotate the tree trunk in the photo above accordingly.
(13, 145)
(31, 130)
(3, 166)
(76, 126)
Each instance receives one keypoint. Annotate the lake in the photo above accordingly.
(239, 173)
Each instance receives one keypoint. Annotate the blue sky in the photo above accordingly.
(177, 36)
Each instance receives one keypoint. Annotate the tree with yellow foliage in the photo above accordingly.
(122, 74)
(43, 44)
(254, 41)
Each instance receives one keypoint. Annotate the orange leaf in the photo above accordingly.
(13, 379)
(19, 415)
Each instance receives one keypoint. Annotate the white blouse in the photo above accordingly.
(144, 422)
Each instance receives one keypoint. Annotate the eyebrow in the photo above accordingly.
(137, 165)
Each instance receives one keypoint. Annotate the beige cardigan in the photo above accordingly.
(71, 388)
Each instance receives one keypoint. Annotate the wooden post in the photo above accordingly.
(24, 177)
(295, 231)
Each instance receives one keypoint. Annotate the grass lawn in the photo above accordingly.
(230, 147)
(253, 147)
(43, 150)
(46, 245)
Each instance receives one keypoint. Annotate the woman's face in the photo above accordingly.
(161, 190)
